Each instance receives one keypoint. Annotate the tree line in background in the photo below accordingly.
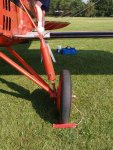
(77, 8)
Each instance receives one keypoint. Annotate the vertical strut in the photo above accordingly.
(44, 49)
(47, 61)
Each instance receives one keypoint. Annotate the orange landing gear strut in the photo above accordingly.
(63, 95)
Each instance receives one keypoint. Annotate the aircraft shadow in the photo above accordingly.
(93, 62)
(39, 99)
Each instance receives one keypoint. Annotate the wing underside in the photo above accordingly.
(74, 34)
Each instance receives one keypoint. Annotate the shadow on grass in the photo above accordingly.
(40, 100)
(95, 62)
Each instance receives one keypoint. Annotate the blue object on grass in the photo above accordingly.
(68, 51)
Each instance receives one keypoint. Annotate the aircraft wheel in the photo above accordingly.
(64, 96)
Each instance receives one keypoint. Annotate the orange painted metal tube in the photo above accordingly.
(26, 65)
(27, 74)
(47, 61)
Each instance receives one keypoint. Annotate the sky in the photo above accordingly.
(85, 1)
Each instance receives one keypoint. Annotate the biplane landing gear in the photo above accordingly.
(64, 97)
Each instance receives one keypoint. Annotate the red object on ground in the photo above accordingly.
(64, 126)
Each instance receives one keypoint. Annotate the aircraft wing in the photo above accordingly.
(74, 34)
(32, 35)
(81, 34)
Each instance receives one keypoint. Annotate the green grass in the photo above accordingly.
(26, 112)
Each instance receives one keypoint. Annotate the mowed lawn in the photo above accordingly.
(26, 112)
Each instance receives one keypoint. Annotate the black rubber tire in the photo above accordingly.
(65, 96)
